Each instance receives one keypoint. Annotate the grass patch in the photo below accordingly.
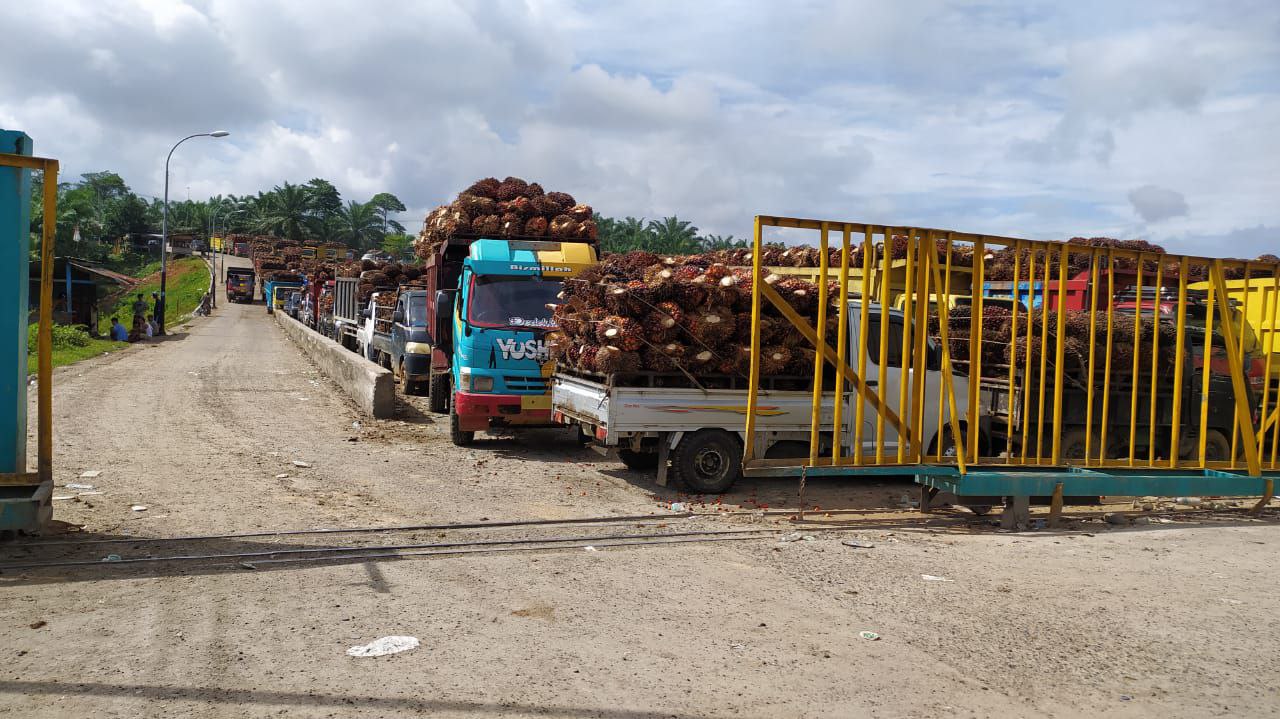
(70, 345)
(188, 281)
(134, 264)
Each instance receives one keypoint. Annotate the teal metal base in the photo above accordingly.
(1041, 481)
(25, 507)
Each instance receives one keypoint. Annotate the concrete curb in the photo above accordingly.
(372, 387)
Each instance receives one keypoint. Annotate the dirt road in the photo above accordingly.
(206, 430)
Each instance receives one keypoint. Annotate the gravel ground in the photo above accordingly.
(1162, 619)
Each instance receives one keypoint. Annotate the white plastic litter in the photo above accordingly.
(932, 578)
(677, 506)
(139, 508)
(78, 485)
(91, 474)
(591, 549)
(384, 646)
(283, 475)
(300, 463)
(63, 496)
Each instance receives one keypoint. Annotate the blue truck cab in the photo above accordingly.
(276, 292)
(497, 320)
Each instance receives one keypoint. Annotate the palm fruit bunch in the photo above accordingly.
(506, 208)
(639, 312)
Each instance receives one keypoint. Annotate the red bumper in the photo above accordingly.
(481, 411)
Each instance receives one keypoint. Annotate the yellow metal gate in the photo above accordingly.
(1120, 328)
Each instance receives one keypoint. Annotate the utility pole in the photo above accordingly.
(164, 226)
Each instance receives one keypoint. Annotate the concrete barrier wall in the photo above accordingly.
(372, 387)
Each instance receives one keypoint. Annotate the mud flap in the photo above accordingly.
(664, 450)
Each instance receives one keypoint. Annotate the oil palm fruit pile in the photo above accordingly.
(639, 312)
(1002, 344)
(376, 276)
(507, 208)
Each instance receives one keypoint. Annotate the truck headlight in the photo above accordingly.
(476, 383)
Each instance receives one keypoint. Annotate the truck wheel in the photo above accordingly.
(1217, 448)
(640, 461)
(408, 386)
(708, 461)
(460, 438)
(438, 393)
(1073, 441)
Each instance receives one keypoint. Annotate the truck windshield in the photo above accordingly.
(417, 311)
(512, 301)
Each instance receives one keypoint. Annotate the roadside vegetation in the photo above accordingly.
(70, 344)
(188, 281)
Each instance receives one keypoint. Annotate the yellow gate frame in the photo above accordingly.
(926, 274)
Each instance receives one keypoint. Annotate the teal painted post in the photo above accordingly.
(15, 241)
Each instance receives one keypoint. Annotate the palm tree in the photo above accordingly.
(721, 242)
(673, 235)
(286, 211)
(359, 225)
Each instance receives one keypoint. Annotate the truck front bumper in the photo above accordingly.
(481, 411)
(418, 367)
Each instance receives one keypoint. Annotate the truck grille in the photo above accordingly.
(525, 384)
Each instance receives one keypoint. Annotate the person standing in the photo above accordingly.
(139, 307)
(158, 312)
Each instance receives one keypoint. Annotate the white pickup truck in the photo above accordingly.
(701, 432)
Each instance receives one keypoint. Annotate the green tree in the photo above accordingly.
(125, 216)
(360, 226)
(386, 203)
(285, 211)
(673, 235)
(397, 244)
(721, 242)
(326, 202)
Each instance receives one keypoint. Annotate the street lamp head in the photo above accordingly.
(219, 133)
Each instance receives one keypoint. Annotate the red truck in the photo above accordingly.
(1077, 290)
(240, 282)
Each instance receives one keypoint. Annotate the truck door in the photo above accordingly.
(398, 331)
(888, 391)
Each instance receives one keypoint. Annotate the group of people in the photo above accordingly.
(145, 326)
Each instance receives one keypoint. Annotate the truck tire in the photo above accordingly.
(708, 461)
(460, 438)
(438, 392)
(408, 386)
(640, 461)
(1217, 448)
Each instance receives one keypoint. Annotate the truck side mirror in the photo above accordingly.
(933, 358)
(398, 317)
(364, 313)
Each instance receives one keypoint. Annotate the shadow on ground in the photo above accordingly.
(265, 697)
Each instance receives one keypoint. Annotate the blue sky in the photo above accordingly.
(1047, 120)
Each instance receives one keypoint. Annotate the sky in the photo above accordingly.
(1047, 120)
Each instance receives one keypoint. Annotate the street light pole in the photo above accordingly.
(164, 225)
(213, 281)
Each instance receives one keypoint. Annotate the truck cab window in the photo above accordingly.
(416, 316)
(512, 301)
(895, 340)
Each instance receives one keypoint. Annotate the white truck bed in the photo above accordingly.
(625, 411)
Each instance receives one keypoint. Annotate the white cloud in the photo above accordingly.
(1034, 119)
